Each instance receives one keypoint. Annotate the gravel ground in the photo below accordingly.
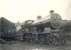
(28, 46)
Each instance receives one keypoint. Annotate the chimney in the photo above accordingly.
(39, 17)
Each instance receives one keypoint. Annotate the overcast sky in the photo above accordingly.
(21, 10)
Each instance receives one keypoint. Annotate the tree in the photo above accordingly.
(66, 27)
(66, 30)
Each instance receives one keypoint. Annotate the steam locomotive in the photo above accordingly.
(44, 32)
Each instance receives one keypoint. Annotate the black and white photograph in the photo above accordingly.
(35, 24)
